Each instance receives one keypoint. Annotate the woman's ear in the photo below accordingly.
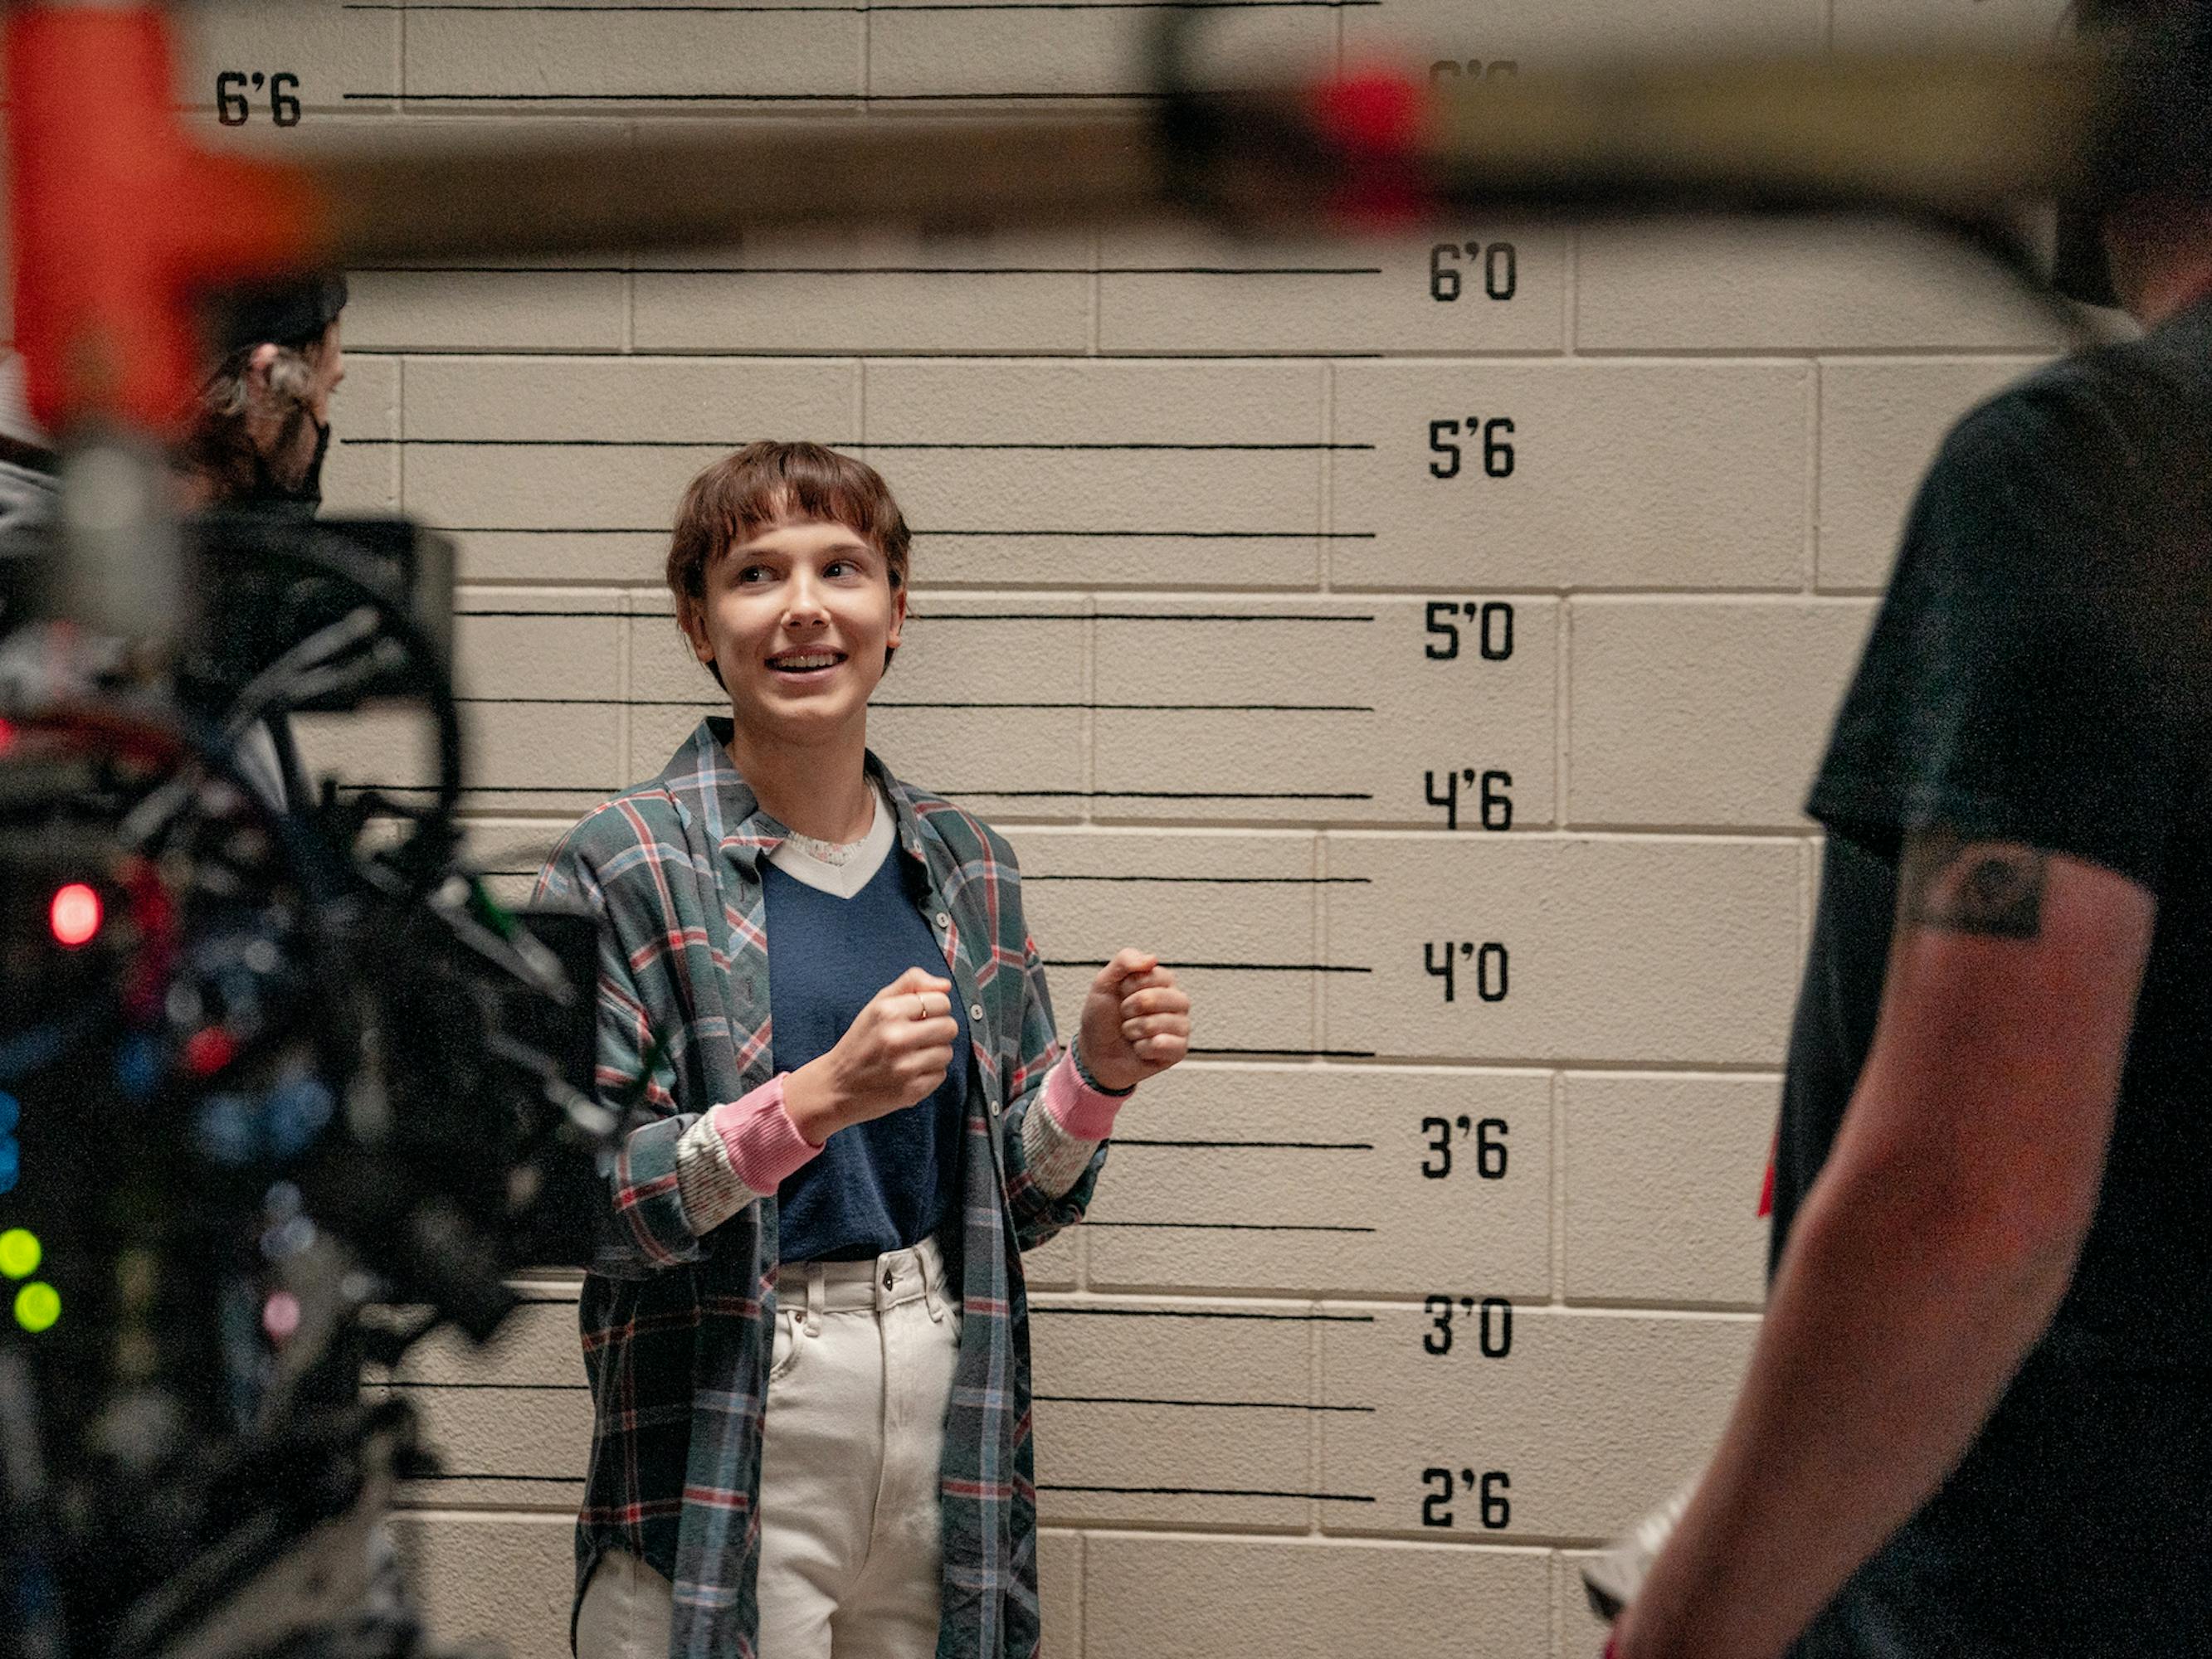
(898, 617)
(690, 618)
(260, 362)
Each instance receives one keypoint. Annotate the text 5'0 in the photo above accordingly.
(1492, 630)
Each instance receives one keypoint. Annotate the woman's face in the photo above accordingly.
(797, 621)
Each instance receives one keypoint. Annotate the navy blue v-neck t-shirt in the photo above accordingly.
(889, 1183)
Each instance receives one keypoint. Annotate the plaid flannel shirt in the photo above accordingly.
(677, 1326)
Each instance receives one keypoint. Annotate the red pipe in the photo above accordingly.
(118, 221)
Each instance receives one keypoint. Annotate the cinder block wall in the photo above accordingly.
(1408, 1287)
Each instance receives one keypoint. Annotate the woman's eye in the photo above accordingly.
(753, 573)
(840, 567)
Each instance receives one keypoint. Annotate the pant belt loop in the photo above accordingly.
(817, 1297)
(932, 1283)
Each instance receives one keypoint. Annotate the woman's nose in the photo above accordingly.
(802, 601)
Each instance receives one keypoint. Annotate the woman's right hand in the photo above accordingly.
(893, 1055)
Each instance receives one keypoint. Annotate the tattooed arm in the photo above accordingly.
(1932, 1250)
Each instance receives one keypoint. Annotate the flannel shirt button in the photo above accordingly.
(975, 1010)
(943, 920)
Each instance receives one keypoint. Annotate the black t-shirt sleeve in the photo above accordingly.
(2018, 685)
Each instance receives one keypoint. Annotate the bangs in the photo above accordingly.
(768, 484)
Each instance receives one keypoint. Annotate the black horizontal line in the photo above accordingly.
(1108, 707)
(957, 615)
(1037, 1312)
(1228, 1227)
(1164, 794)
(1175, 535)
(1308, 1053)
(1055, 1399)
(1222, 881)
(1226, 967)
(562, 1480)
(606, 789)
(1030, 535)
(1240, 270)
(1260, 1146)
(756, 98)
(1031, 880)
(531, 1388)
(867, 443)
(1213, 1491)
(919, 5)
(868, 270)
(1210, 1405)
(1001, 794)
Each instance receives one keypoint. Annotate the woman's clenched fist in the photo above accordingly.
(1136, 1022)
(893, 1055)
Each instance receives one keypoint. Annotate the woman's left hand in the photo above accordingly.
(1135, 1023)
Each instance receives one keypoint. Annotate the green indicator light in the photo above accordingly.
(37, 1307)
(20, 1253)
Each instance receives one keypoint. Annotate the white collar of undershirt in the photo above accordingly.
(845, 868)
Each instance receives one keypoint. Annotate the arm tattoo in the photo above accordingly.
(1993, 887)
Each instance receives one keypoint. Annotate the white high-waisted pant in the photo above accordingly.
(854, 1437)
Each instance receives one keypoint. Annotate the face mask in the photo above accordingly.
(270, 492)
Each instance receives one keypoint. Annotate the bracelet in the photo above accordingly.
(1075, 1059)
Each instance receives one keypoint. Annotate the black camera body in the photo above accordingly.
(265, 1065)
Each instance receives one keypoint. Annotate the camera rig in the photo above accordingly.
(266, 1061)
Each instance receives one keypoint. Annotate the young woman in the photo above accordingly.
(805, 1328)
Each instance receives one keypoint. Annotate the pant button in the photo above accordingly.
(890, 1278)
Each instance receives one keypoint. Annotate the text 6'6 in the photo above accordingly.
(233, 108)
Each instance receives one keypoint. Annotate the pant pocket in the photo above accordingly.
(784, 1352)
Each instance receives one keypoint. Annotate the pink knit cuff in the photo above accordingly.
(765, 1147)
(1084, 1112)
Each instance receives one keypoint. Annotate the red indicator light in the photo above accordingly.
(7, 736)
(75, 914)
(208, 1051)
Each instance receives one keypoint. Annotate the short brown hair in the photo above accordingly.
(768, 484)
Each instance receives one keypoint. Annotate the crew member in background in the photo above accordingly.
(806, 1330)
(254, 440)
(262, 426)
(258, 437)
(1977, 1420)
(256, 433)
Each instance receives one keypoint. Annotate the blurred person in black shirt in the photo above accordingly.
(1978, 1417)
